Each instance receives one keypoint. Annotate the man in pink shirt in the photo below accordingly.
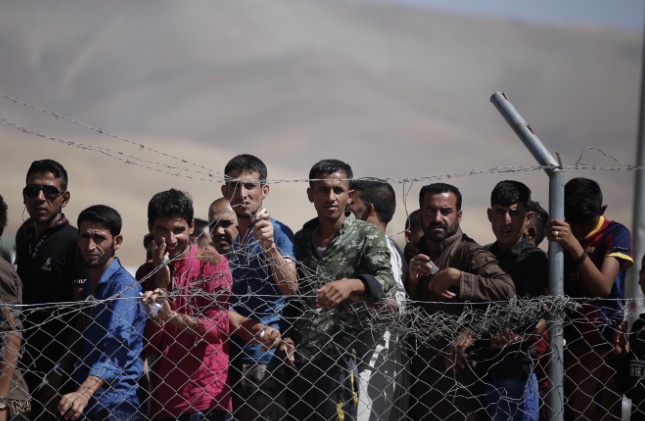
(189, 324)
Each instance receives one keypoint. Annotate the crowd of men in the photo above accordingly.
(240, 318)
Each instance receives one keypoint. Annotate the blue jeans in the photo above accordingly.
(511, 398)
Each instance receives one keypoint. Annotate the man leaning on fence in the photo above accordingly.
(449, 270)
(14, 395)
(187, 301)
(264, 273)
(51, 268)
(510, 390)
(109, 363)
(344, 267)
(597, 254)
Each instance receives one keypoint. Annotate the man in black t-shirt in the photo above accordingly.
(49, 263)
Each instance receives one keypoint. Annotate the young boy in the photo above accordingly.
(597, 255)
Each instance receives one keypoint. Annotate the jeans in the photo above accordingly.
(511, 398)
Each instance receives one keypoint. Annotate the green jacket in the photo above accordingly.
(359, 250)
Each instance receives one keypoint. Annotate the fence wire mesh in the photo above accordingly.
(471, 361)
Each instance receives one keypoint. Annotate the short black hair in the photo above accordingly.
(170, 203)
(102, 214)
(379, 193)
(508, 192)
(540, 217)
(246, 162)
(3, 214)
(48, 165)
(200, 225)
(413, 220)
(582, 201)
(437, 188)
(147, 239)
(329, 166)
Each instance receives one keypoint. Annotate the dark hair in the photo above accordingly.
(147, 239)
(3, 214)
(103, 215)
(200, 225)
(49, 165)
(508, 192)
(540, 217)
(582, 201)
(413, 220)
(379, 193)
(329, 166)
(246, 162)
(437, 188)
(170, 203)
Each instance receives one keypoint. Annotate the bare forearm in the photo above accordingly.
(10, 361)
(283, 271)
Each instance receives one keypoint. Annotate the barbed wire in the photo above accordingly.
(209, 175)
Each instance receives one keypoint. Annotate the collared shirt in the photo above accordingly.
(113, 339)
(50, 265)
(191, 372)
(255, 292)
(359, 250)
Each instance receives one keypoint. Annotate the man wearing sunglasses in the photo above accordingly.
(51, 268)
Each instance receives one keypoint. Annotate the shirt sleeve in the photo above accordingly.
(118, 345)
(74, 267)
(376, 261)
(10, 295)
(620, 246)
(284, 240)
(484, 280)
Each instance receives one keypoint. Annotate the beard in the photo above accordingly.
(438, 236)
(101, 260)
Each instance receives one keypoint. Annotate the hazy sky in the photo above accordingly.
(616, 13)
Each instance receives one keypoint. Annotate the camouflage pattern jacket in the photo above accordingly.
(359, 250)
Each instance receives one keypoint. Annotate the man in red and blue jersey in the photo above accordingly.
(598, 252)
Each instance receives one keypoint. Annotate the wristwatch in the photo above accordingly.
(3, 404)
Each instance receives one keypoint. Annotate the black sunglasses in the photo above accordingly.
(50, 192)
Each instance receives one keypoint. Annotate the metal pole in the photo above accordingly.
(632, 289)
(555, 395)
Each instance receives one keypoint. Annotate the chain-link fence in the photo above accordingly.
(466, 361)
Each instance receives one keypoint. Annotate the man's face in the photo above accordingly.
(44, 197)
(224, 231)
(439, 216)
(175, 231)
(509, 223)
(245, 193)
(97, 244)
(357, 206)
(330, 195)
